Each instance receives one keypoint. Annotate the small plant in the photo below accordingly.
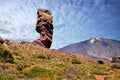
(7, 41)
(98, 72)
(115, 66)
(41, 56)
(6, 55)
(11, 67)
(59, 77)
(1, 75)
(75, 61)
(16, 53)
(23, 42)
(36, 71)
(8, 77)
(1, 41)
(14, 48)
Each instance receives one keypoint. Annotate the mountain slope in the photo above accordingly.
(95, 47)
(25, 61)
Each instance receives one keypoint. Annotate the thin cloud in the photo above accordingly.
(73, 20)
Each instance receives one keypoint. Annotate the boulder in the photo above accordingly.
(1, 64)
(1, 40)
(115, 60)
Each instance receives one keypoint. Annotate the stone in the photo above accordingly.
(1, 64)
(100, 62)
(1, 40)
(44, 26)
(115, 60)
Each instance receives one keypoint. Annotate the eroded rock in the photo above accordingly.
(44, 26)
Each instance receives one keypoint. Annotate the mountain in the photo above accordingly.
(95, 47)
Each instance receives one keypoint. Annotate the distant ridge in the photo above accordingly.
(95, 48)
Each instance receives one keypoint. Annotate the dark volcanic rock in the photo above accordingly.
(115, 60)
(100, 62)
(1, 40)
(44, 26)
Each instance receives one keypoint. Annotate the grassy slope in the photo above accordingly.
(24, 61)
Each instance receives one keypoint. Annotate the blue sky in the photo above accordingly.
(74, 20)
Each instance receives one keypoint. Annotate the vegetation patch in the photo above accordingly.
(23, 42)
(6, 55)
(27, 62)
(75, 61)
(36, 71)
(41, 56)
(8, 77)
(115, 66)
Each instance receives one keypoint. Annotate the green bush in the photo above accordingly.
(41, 56)
(16, 53)
(59, 77)
(115, 66)
(1, 75)
(8, 77)
(98, 72)
(36, 71)
(6, 55)
(23, 42)
(75, 61)
(117, 77)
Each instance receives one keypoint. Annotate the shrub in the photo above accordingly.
(108, 77)
(14, 48)
(59, 77)
(36, 71)
(7, 41)
(75, 61)
(6, 55)
(98, 72)
(16, 53)
(11, 67)
(115, 66)
(8, 77)
(21, 76)
(1, 41)
(1, 75)
(23, 42)
(41, 56)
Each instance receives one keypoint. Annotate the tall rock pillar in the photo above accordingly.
(44, 26)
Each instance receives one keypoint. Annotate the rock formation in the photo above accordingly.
(115, 60)
(44, 26)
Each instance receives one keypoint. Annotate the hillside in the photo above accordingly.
(24, 61)
(100, 48)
